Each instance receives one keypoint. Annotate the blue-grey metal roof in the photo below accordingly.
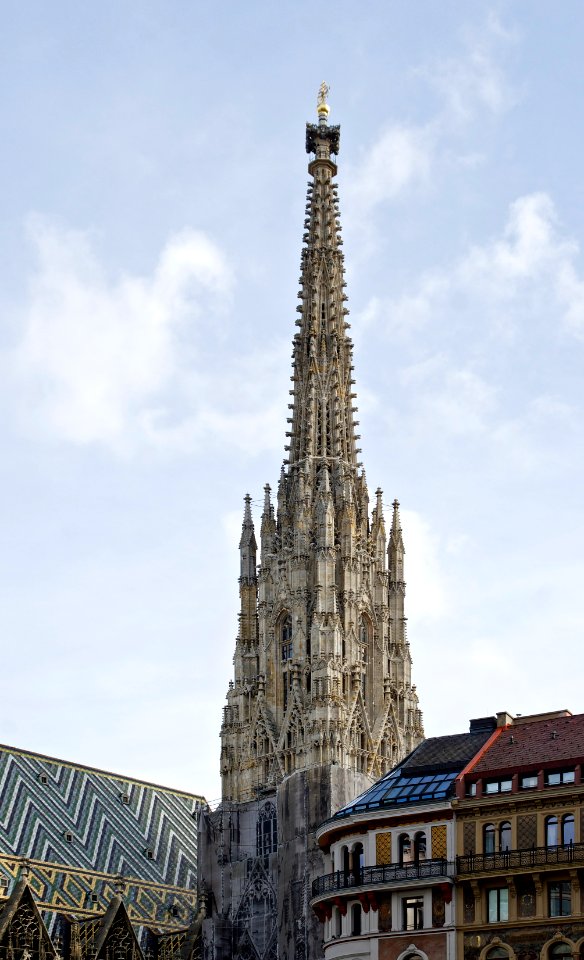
(426, 775)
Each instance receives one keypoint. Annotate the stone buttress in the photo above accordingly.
(321, 703)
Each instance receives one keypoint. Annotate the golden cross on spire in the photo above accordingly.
(322, 107)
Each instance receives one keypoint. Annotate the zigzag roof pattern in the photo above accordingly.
(116, 824)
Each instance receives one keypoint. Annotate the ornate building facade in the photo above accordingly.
(389, 887)
(322, 702)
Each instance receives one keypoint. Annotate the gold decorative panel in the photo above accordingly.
(469, 843)
(439, 842)
(527, 831)
(383, 848)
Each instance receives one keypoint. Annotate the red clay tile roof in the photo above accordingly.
(535, 744)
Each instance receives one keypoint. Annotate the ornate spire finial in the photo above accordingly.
(322, 107)
(395, 520)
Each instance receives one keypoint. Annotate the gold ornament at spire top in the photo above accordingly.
(322, 107)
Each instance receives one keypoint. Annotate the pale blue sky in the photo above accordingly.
(154, 174)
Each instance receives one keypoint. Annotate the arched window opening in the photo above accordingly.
(561, 951)
(489, 838)
(405, 848)
(336, 922)
(505, 836)
(420, 846)
(568, 834)
(551, 831)
(267, 831)
(345, 861)
(286, 637)
(358, 861)
(356, 920)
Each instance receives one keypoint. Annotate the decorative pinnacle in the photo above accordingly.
(267, 500)
(322, 107)
(395, 523)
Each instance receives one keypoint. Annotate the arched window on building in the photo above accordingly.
(489, 838)
(497, 953)
(420, 846)
(568, 829)
(561, 951)
(267, 831)
(336, 922)
(504, 836)
(405, 848)
(551, 831)
(345, 865)
(358, 861)
(356, 920)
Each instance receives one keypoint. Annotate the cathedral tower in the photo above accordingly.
(321, 703)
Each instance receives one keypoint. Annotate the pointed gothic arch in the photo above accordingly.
(255, 919)
(22, 930)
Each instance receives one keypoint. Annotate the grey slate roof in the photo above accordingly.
(426, 775)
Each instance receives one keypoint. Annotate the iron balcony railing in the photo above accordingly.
(384, 873)
(516, 859)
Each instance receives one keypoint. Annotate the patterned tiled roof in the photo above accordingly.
(535, 743)
(64, 813)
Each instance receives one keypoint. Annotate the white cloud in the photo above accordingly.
(403, 156)
(473, 84)
(528, 265)
(136, 360)
(447, 398)
(427, 588)
(400, 157)
(476, 332)
(96, 352)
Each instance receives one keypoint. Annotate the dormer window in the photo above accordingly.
(498, 786)
(557, 778)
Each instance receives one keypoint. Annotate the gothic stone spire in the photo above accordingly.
(322, 668)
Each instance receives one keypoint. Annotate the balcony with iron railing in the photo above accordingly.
(527, 859)
(388, 874)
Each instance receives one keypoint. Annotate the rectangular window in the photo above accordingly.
(498, 904)
(557, 778)
(498, 786)
(560, 899)
(413, 909)
(471, 790)
(287, 651)
(528, 781)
